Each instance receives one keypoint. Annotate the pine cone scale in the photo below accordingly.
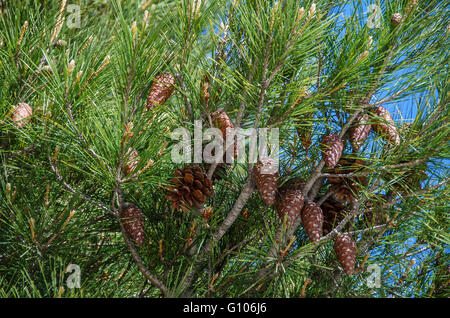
(266, 175)
(312, 219)
(345, 249)
(192, 188)
(333, 149)
(162, 88)
(132, 219)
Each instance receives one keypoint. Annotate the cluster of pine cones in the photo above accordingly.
(191, 186)
(346, 182)
(131, 216)
(289, 202)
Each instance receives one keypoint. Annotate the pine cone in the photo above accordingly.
(161, 89)
(289, 202)
(345, 249)
(266, 175)
(21, 114)
(132, 162)
(359, 133)
(312, 219)
(396, 18)
(333, 149)
(132, 219)
(222, 121)
(346, 188)
(385, 125)
(333, 213)
(192, 188)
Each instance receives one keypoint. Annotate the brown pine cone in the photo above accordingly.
(333, 147)
(289, 201)
(21, 114)
(266, 175)
(133, 221)
(312, 219)
(347, 188)
(222, 121)
(359, 133)
(192, 188)
(333, 213)
(385, 125)
(345, 249)
(161, 89)
(396, 18)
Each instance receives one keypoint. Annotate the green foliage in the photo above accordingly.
(269, 64)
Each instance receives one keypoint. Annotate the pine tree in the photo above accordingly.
(87, 111)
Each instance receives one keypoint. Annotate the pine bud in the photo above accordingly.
(363, 55)
(145, 19)
(396, 18)
(22, 33)
(312, 10)
(71, 66)
(369, 42)
(132, 161)
(8, 191)
(133, 29)
(79, 76)
(207, 213)
(45, 69)
(21, 114)
(105, 63)
(301, 11)
(60, 43)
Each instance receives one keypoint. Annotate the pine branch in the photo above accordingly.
(55, 170)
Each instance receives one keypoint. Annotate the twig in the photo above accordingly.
(155, 281)
(55, 170)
